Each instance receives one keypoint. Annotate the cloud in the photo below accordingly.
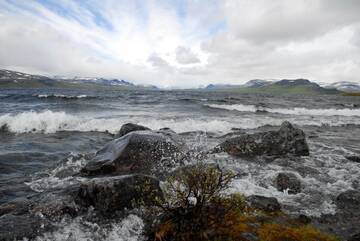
(186, 56)
(183, 43)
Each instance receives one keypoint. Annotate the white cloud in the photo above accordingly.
(228, 41)
(186, 56)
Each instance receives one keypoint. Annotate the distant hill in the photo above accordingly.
(257, 83)
(14, 79)
(221, 86)
(287, 86)
(344, 86)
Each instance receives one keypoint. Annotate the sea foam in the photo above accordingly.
(290, 111)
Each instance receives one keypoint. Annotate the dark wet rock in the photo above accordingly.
(287, 140)
(18, 227)
(137, 152)
(268, 204)
(343, 224)
(17, 206)
(355, 184)
(4, 129)
(355, 237)
(346, 221)
(55, 206)
(348, 200)
(167, 129)
(130, 127)
(288, 181)
(353, 158)
(111, 194)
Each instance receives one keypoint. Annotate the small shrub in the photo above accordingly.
(195, 207)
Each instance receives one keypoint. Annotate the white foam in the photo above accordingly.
(292, 111)
(54, 179)
(52, 121)
(62, 96)
(128, 229)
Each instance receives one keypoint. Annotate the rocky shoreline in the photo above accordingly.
(125, 177)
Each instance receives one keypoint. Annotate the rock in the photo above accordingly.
(355, 237)
(288, 181)
(349, 200)
(4, 129)
(129, 127)
(353, 158)
(268, 204)
(145, 152)
(18, 227)
(287, 140)
(110, 194)
(55, 206)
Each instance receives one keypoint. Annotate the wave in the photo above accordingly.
(59, 96)
(292, 111)
(52, 121)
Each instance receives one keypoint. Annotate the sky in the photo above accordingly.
(183, 43)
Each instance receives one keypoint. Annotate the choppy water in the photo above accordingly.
(52, 133)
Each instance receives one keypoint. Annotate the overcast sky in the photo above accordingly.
(179, 43)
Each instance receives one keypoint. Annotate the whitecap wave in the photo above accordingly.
(52, 121)
(62, 96)
(292, 111)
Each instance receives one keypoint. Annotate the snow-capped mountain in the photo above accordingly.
(257, 83)
(94, 80)
(344, 86)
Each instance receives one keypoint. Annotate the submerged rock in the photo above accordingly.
(4, 129)
(268, 204)
(287, 140)
(353, 158)
(145, 152)
(111, 194)
(349, 200)
(355, 237)
(288, 181)
(130, 127)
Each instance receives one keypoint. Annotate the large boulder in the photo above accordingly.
(288, 181)
(111, 194)
(130, 127)
(353, 158)
(145, 152)
(287, 140)
(349, 200)
(268, 204)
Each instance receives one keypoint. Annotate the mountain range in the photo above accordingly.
(292, 86)
(14, 79)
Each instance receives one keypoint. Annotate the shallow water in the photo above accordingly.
(52, 133)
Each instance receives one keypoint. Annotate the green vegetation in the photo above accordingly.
(197, 208)
(351, 94)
